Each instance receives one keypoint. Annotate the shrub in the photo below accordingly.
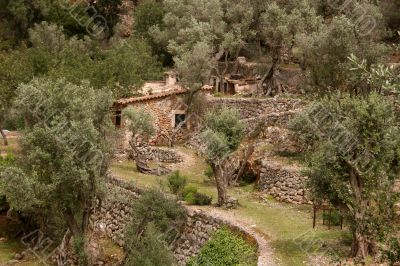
(156, 221)
(190, 189)
(195, 198)
(189, 198)
(176, 182)
(150, 249)
(225, 248)
(202, 199)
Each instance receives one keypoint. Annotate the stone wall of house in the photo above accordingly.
(285, 183)
(113, 214)
(163, 112)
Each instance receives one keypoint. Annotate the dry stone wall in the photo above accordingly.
(113, 214)
(198, 230)
(254, 108)
(284, 183)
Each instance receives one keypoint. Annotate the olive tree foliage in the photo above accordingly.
(222, 136)
(390, 10)
(64, 155)
(352, 154)
(106, 14)
(194, 68)
(156, 223)
(280, 24)
(53, 54)
(224, 26)
(356, 29)
(15, 68)
(149, 14)
(18, 16)
(379, 78)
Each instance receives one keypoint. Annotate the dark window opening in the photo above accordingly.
(179, 119)
(118, 118)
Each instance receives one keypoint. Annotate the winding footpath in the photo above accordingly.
(265, 252)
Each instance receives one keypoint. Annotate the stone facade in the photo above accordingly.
(163, 112)
(283, 182)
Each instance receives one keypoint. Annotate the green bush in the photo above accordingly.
(189, 189)
(156, 221)
(150, 249)
(225, 248)
(189, 198)
(202, 199)
(177, 182)
(195, 198)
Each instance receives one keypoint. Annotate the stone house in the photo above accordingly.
(164, 100)
(241, 77)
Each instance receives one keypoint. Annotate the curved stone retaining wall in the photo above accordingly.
(113, 214)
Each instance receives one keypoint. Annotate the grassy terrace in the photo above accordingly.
(288, 227)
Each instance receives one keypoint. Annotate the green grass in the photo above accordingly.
(288, 227)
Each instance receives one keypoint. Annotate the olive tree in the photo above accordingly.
(280, 25)
(157, 221)
(64, 155)
(223, 134)
(140, 125)
(15, 68)
(352, 146)
(324, 53)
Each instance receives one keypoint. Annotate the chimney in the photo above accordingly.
(170, 78)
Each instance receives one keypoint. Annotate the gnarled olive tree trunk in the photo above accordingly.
(269, 85)
(141, 161)
(220, 180)
(361, 245)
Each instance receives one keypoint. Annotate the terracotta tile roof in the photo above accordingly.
(175, 91)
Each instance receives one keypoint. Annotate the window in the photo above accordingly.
(118, 118)
(179, 119)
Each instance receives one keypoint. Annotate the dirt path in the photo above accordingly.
(266, 255)
(188, 160)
